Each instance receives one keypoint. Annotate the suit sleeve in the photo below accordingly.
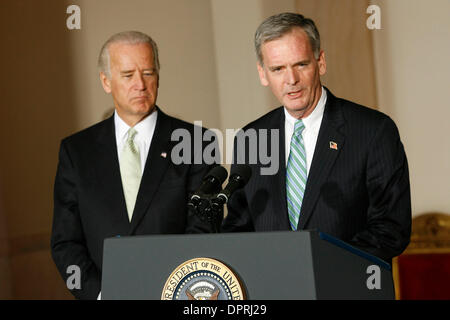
(238, 217)
(389, 213)
(68, 244)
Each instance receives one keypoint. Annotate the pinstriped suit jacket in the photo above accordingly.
(359, 193)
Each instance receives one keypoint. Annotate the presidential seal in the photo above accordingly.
(203, 279)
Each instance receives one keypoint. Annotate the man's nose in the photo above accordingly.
(291, 76)
(140, 82)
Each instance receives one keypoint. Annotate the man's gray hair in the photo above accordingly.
(129, 37)
(278, 25)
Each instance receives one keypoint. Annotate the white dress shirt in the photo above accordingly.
(143, 138)
(311, 131)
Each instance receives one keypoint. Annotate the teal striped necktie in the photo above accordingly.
(296, 175)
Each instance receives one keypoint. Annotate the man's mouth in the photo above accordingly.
(295, 94)
(140, 98)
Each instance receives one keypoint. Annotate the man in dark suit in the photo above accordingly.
(342, 166)
(117, 178)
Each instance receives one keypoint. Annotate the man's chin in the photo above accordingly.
(296, 109)
(143, 109)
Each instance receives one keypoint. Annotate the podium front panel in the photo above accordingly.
(274, 265)
(271, 265)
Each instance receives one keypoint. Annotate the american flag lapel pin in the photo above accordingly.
(164, 154)
(333, 145)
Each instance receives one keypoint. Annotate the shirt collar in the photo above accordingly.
(145, 128)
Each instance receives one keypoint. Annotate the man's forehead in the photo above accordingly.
(296, 40)
(124, 43)
(128, 54)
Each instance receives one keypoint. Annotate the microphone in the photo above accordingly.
(212, 182)
(238, 179)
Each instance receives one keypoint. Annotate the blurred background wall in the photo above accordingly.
(50, 89)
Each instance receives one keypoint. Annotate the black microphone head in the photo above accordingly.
(239, 176)
(211, 184)
(213, 180)
(218, 172)
(244, 171)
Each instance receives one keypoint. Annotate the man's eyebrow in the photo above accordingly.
(306, 61)
(132, 71)
(275, 67)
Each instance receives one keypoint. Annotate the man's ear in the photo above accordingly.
(322, 63)
(262, 75)
(106, 83)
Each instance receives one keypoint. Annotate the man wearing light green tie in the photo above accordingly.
(116, 177)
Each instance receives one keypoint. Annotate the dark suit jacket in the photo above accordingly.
(359, 193)
(89, 204)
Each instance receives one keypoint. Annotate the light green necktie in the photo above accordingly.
(296, 175)
(130, 170)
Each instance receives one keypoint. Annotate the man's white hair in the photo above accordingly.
(129, 37)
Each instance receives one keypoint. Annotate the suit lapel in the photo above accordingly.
(107, 166)
(324, 156)
(155, 167)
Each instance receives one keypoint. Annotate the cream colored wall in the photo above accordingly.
(413, 77)
(348, 48)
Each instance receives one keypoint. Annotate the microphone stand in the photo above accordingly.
(208, 210)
